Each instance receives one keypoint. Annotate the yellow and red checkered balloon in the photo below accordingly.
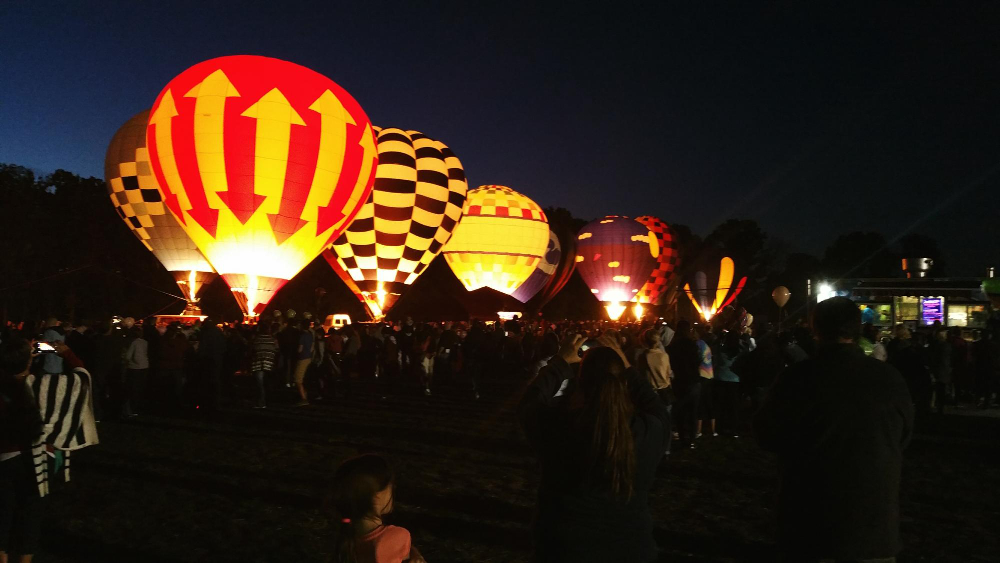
(500, 240)
(263, 162)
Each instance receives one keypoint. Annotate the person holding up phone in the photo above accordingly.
(599, 444)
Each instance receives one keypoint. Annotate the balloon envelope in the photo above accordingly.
(415, 204)
(543, 272)
(263, 162)
(666, 263)
(564, 268)
(500, 240)
(136, 196)
(615, 256)
(781, 295)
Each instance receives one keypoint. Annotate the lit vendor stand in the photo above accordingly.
(917, 300)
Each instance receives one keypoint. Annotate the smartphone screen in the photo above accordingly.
(43, 347)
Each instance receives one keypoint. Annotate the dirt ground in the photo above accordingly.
(246, 486)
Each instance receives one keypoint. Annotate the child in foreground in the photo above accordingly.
(361, 496)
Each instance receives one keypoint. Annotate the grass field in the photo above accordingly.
(247, 485)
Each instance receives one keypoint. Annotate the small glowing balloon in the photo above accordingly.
(704, 302)
(414, 207)
(500, 240)
(781, 296)
(263, 162)
(136, 197)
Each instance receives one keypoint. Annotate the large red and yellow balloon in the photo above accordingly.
(136, 197)
(263, 162)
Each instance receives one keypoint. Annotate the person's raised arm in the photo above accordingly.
(550, 378)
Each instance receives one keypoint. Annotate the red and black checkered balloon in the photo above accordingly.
(667, 262)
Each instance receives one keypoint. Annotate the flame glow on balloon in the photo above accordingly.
(502, 237)
(263, 162)
(615, 257)
(414, 207)
(705, 302)
(136, 197)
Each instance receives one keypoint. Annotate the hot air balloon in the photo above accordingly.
(708, 304)
(263, 162)
(136, 197)
(502, 237)
(615, 256)
(413, 209)
(565, 267)
(666, 263)
(543, 272)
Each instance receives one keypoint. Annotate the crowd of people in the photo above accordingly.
(627, 394)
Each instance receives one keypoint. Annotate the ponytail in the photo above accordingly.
(355, 485)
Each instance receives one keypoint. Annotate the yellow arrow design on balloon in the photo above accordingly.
(367, 142)
(162, 118)
(209, 117)
(275, 117)
(334, 119)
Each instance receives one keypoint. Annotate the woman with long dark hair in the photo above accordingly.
(600, 437)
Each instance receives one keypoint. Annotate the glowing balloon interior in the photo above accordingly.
(414, 207)
(263, 162)
(615, 256)
(502, 237)
(136, 196)
(708, 304)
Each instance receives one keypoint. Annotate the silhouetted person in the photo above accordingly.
(839, 423)
(211, 353)
(685, 359)
(599, 443)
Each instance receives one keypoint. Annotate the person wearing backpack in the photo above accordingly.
(654, 364)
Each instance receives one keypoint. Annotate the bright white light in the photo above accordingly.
(615, 310)
(825, 291)
(637, 310)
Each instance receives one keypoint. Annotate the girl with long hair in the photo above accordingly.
(362, 495)
(600, 436)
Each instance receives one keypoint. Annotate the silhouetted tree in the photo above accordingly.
(860, 255)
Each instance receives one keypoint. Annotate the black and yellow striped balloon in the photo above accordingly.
(414, 207)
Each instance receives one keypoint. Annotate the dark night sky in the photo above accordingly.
(814, 121)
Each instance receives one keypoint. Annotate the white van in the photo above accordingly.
(339, 320)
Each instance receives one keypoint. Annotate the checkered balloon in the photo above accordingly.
(502, 237)
(414, 207)
(137, 200)
(666, 263)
